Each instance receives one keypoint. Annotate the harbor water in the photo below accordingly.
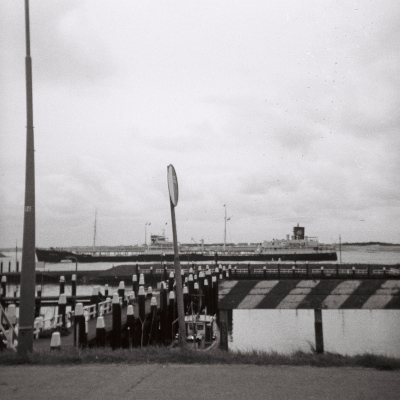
(347, 332)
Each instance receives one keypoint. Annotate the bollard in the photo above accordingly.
(206, 303)
(322, 271)
(216, 273)
(141, 280)
(106, 290)
(190, 285)
(149, 293)
(116, 322)
(163, 313)
(185, 299)
(354, 271)
(171, 281)
(100, 332)
(319, 338)
(153, 337)
(130, 324)
(135, 285)
(182, 277)
(38, 302)
(201, 281)
(214, 296)
(151, 276)
(62, 284)
(62, 308)
(229, 272)
(171, 316)
(195, 298)
(80, 338)
(142, 304)
(94, 299)
(121, 292)
(293, 271)
(55, 343)
(209, 277)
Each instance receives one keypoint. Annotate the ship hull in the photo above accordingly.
(56, 256)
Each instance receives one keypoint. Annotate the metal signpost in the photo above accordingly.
(173, 199)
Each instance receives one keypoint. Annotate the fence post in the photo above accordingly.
(319, 338)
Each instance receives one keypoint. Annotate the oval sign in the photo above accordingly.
(172, 185)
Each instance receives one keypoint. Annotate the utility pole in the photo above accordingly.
(27, 297)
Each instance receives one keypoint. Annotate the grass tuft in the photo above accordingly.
(162, 355)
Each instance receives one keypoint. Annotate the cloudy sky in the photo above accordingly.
(286, 111)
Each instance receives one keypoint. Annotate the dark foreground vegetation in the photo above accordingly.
(162, 355)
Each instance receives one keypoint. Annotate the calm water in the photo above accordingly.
(284, 331)
(348, 332)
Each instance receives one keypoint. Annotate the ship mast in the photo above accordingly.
(94, 234)
(225, 230)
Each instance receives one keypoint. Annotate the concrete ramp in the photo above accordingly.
(309, 294)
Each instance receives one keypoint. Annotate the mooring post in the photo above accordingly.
(322, 271)
(142, 304)
(185, 299)
(213, 296)
(80, 338)
(3, 289)
(149, 293)
(354, 271)
(106, 290)
(55, 341)
(94, 299)
(265, 272)
(319, 338)
(201, 281)
(171, 316)
(121, 292)
(223, 324)
(135, 285)
(182, 277)
(100, 332)
(38, 301)
(130, 324)
(154, 321)
(62, 307)
(206, 297)
(62, 284)
(190, 285)
(171, 281)
(116, 322)
(73, 291)
(151, 276)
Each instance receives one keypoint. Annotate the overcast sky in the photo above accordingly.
(286, 111)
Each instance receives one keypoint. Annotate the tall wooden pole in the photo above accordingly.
(27, 297)
(178, 279)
